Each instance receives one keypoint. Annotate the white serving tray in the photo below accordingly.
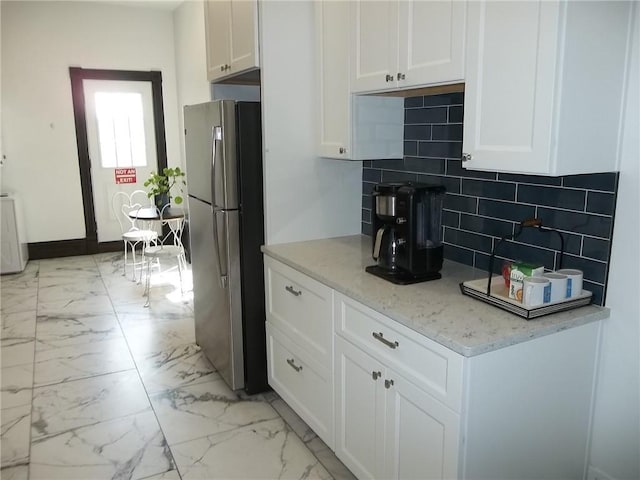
(499, 297)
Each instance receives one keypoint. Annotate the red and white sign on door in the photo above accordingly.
(125, 175)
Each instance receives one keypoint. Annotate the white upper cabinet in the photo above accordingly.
(333, 74)
(350, 127)
(402, 44)
(232, 37)
(544, 85)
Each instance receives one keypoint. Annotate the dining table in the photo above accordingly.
(172, 217)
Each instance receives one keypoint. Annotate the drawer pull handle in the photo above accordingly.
(293, 291)
(376, 375)
(291, 362)
(388, 383)
(379, 336)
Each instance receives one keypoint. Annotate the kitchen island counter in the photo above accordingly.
(435, 309)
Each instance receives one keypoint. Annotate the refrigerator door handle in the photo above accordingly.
(216, 136)
(222, 268)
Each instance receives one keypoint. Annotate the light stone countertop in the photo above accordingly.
(435, 309)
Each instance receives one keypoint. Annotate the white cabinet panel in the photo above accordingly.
(300, 307)
(431, 48)
(375, 44)
(216, 17)
(231, 28)
(334, 99)
(350, 128)
(544, 85)
(360, 409)
(422, 434)
(243, 48)
(409, 43)
(303, 383)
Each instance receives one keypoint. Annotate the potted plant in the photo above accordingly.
(160, 185)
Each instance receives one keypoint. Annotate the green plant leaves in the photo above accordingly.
(159, 184)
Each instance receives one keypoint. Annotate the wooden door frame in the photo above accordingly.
(84, 162)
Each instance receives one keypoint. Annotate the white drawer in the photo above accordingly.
(432, 367)
(300, 307)
(305, 385)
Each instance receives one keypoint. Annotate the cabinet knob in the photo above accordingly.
(223, 68)
(466, 157)
(376, 375)
(342, 150)
(388, 383)
(400, 76)
(388, 78)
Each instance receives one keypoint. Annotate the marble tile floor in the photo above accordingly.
(95, 386)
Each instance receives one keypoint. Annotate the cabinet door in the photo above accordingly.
(303, 383)
(360, 407)
(374, 27)
(243, 45)
(216, 17)
(431, 42)
(511, 58)
(421, 434)
(332, 30)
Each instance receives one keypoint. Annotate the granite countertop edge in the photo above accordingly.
(589, 314)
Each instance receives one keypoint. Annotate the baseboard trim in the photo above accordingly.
(60, 248)
(106, 247)
(594, 473)
(70, 248)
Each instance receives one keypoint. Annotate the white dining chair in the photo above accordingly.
(167, 246)
(124, 206)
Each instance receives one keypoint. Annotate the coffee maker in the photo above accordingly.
(406, 232)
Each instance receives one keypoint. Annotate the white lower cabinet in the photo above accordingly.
(386, 427)
(394, 404)
(301, 382)
(300, 344)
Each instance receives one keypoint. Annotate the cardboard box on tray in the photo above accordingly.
(519, 270)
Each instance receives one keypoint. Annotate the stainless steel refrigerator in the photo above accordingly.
(223, 146)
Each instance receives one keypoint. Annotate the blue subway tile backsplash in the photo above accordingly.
(480, 207)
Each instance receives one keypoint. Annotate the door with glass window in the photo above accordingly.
(121, 144)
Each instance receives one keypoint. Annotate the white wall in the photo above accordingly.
(615, 449)
(306, 197)
(40, 41)
(191, 59)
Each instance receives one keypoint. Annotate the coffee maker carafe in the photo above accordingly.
(407, 219)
